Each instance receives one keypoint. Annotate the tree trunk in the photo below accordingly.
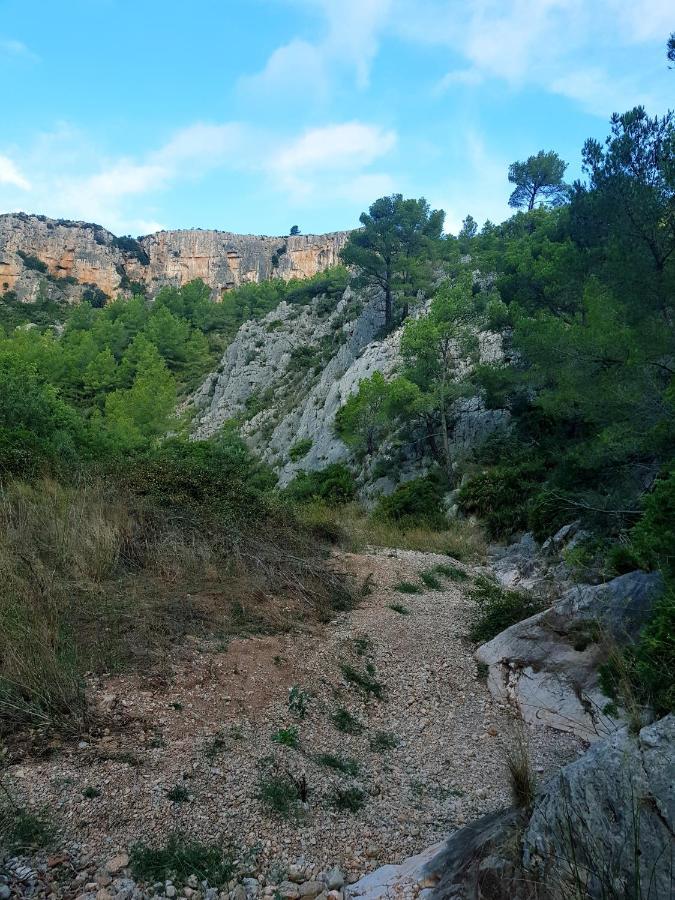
(388, 311)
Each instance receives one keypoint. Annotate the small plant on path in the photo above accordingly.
(382, 741)
(400, 608)
(365, 681)
(288, 737)
(345, 722)
(349, 799)
(407, 587)
(340, 763)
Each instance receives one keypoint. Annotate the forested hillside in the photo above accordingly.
(431, 393)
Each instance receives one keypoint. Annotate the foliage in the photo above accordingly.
(498, 609)
(344, 721)
(419, 501)
(32, 262)
(340, 763)
(393, 248)
(23, 831)
(298, 701)
(300, 449)
(400, 609)
(349, 799)
(363, 680)
(179, 858)
(382, 741)
(287, 737)
(364, 419)
(500, 496)
(540, 178)
(407, 587)
(281, 794)
(334, 485)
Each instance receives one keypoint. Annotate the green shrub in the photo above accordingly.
(23, 831)
(363, 680)
(178, 794)
(340, 763)
(298, 701)
(344, 721)
(349, 799)
(281, 794)
(418, 502)
(382, 741)
(400, 609)
(334, 485)
(499, 608)
(178, 859)
(430, 579)
(654, 536)
(500, 496)
(300, 449)
(32, 262)
(451, 572)
(287, 737)
(407, 587)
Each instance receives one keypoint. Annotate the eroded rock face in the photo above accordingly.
(606, 824)
(80, 253)
(547, 665)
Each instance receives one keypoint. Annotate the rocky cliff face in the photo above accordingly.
(57, 258)
(282, 400)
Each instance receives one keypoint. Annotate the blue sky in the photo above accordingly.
(254, 115)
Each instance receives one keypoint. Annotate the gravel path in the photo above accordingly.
(431, 755)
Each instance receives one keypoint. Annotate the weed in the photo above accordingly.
(382, 741)
(340, 763)
(363, 644)
(237, 733)
(344, 721)
(215, 746)
(178, 859)
(364, 681)
(407, 587)
(178, 794)
(349, 799)
(368, 585)
(91, 792)
(482, 671)
(400, 608)
(499, 608)
(430, 578)
(176, 705)
(521, 776)
(282, 794)
(452, 572)
(298, 701)
(288, 737)
(21, 830)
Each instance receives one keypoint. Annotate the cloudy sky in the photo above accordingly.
(254, 115)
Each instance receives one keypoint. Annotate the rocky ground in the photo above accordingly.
(200, 751)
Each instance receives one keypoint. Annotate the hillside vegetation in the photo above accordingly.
(112, 518)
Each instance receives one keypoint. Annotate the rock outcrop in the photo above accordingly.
(59, 258)
(603, 827)
(547, 665)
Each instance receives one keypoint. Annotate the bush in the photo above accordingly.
(178, 859)
(417, 502)
(32, 262)
(499, 608)
(500, 495)
(281, 794)
(654, 536)
(334, 485)
(300, 449)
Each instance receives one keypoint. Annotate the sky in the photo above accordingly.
(255, 115)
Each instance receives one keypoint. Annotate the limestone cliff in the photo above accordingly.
(62, 259)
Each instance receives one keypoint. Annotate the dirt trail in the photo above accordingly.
(430, 756)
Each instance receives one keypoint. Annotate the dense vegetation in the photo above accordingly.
(582, 289)
(117, 534)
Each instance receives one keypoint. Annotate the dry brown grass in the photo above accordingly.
(102, 581)
(352, 528)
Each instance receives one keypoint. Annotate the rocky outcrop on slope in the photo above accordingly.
(547, 665)
(603, 827)
(59, 259)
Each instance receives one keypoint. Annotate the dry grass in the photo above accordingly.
(102, 581)
(352, 528)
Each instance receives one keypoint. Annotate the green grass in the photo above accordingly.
(407, 587)
(362, 645)
(430, 579)
(349, 799)
(91, 792)
(499, 608)
(382, 741)
(452, 572)
(21, 830)
(400, 608)
(287, 737)
(363, 680)
(340, 763)
(298, 701)
(178, 794)
(345, 722)
(178, 859)
(281, 794)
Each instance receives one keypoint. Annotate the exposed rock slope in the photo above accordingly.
(80, 253)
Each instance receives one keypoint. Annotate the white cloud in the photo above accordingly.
(9, 47)
(330, 160)
(70, 180)
(10, 174)
(350, 39)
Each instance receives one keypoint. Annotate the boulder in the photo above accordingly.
(605, 826)
(547, 665)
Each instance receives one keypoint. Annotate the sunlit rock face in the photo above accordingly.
(80, 255)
